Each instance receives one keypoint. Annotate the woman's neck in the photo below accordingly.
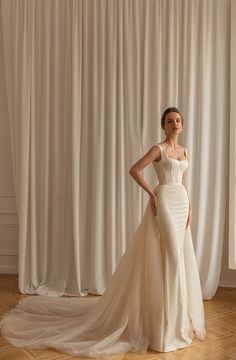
(171, 141)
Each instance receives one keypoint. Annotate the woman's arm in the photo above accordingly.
(136, 173)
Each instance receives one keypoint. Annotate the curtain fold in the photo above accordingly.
(86, 84)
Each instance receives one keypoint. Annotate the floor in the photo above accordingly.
(220, 343)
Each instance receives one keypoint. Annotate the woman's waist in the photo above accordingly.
(170, 183)
(170, 186)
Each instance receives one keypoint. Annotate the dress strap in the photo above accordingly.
(160, 146)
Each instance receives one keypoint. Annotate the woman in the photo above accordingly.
(153, 300)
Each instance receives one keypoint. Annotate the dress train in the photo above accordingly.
(153, 300)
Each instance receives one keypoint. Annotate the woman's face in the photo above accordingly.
(173, 124)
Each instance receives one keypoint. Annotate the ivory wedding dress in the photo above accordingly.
(153, 300)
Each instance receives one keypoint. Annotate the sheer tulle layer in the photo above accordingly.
(152, 301)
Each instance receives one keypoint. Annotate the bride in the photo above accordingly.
(153, 300)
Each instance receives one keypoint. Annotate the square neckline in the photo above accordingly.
(163, 148)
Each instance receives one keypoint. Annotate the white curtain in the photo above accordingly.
(86, 84)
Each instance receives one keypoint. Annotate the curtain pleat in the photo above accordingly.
(86, 84)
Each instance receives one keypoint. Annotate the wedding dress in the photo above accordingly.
(153, 300)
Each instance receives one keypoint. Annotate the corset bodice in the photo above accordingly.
(169, 170)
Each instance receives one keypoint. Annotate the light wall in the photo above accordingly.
(228, 276)
(8, 211)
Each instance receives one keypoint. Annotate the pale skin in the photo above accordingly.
(173, 126)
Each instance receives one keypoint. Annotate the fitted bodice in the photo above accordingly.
(169, 170)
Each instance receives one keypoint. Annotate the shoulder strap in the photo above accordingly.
(160, 146)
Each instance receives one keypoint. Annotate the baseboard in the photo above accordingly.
(227, 284)
(8, 269)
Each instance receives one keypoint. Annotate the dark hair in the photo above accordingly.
(167, 111)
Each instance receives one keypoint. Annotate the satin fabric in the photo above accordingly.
(153, 300)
